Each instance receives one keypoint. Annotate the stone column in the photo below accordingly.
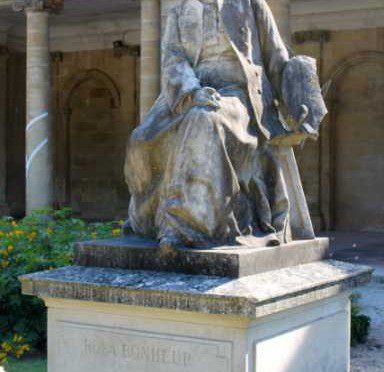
(150, 54)
(281, 12)
(3, 122)
(39, 133)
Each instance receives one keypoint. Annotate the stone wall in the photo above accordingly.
(342, 173)
(100, 90)
(96, 108)
(15, 133)
(4, 54)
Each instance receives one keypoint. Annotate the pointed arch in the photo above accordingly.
(75, 81)
(64, 147)
(351, 61)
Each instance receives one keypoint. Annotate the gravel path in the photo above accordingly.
(370, 356)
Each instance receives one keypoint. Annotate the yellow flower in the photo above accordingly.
(3, 357)
(32, 235)
(25, 347)
(49, 231)
(17, 338)
(10, 248)
(19, 232)
(13, 223)
(116, 232)
(6, 346)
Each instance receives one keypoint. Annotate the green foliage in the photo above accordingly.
(27, 365)
(41, 241)
(360, 323)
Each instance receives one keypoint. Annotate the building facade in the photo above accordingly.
(76, 76)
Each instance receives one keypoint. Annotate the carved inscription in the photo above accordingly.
(85, 347)
(138, 353)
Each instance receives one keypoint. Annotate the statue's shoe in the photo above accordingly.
(127, 229)
(264, 240)
(168, 244)
(273, 241)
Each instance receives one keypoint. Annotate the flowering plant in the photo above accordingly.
(43, 240)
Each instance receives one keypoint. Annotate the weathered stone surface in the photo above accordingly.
(252, 296)
(229, 261)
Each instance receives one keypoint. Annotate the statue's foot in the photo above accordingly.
(168, 245)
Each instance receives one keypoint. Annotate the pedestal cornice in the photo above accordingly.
(252, 296)
(53, 6)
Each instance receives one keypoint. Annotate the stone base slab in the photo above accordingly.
(251, 296)
(135, 253)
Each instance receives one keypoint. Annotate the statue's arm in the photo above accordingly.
(179, 80)
(274, 50)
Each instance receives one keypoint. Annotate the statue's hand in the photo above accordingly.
(305, 127)
(206, 97)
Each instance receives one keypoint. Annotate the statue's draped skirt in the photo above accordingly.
(208, 179)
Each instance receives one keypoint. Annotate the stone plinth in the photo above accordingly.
(135, 253)
(105, 319)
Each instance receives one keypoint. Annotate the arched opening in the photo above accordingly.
(94, 160)
(357, 146)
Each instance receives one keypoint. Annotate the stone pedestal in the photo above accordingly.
(98, 337)
(112, 319)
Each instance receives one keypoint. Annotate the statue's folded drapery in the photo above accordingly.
(204, 175)
(208, 179)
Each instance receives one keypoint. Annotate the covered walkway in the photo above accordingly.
(359, 247)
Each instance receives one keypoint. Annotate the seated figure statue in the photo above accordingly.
(202, 168)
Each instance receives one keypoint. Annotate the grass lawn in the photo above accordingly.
(27, 365)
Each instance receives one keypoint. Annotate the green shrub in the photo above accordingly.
(41, 241)
(360, 323)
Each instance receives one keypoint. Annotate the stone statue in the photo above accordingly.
(202, 168)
